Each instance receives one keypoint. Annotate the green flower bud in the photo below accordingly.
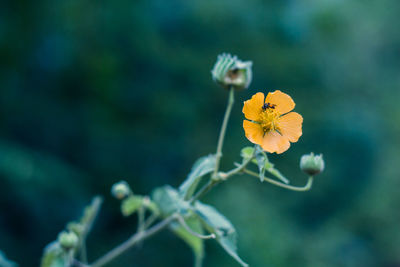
(312, 164)
(68, 240)
(121, 190)
(230, 71)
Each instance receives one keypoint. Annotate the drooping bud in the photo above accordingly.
(68, 240)
(230, 71)
(312, 164)
(121, 190)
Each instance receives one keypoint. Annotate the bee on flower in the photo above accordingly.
(270, 122)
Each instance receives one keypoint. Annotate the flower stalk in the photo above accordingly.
(221, 138)
(286, 186)
(183, 223)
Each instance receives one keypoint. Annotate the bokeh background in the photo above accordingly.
(92, 92)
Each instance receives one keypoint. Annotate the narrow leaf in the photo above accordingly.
(218, 224)
(91, 211)
(229, 244)
(194, 242)
(82, 227)
(202, 166)
(277, 173)
(247, 152)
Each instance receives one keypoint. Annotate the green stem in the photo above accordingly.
(77, 263)
(289, 187)
(133, 240)
(220, 178)
(183, 223)
(228, 110)
(150, 220)
(207, 187)
(239, 167)
(141, 219)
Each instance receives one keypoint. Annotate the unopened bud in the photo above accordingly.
(121, 190)
(312, 164)
(68, 240)
(229, 71)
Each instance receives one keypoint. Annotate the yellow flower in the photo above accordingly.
(272, 125)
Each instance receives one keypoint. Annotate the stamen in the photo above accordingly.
(269, 118)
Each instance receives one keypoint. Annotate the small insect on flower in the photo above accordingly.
(270, 123)
(268, 105)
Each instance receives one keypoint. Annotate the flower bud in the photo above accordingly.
(121, 190)
(68, 240)
(230, 71)
(312, 164)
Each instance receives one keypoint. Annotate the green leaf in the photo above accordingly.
(91, 211)
(270, 168)
(150, 205)
(262, 162)
(201, 167)
(168, 200)
(4, 262)
(261, 159)
(229, 244)
(194, 242)
(131, 204)
(53, 256)
(247, 152)
(218, 224)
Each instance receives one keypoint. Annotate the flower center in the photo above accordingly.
(269, 120)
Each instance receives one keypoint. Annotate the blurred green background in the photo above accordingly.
(92, 92)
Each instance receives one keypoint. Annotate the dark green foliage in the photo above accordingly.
(92, 92)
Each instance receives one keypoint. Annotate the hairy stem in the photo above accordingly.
(207, 187)
(183, 223)
(133, 240)
(221, 138)
(149, 221)
(141, 214)
(289, 187)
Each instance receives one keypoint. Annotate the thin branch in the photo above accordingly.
(239, 167)
(289, 187)
(150, 220)
(133, 240)
(228, 110)
(183, 223)
(141, 214)
(77, 263)
(207, 187)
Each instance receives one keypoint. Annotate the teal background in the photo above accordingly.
(92, 92)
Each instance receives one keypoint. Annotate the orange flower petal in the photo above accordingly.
(284, 103)
(253, 107)
(253, 132)
(290, 126)
(274, 142)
